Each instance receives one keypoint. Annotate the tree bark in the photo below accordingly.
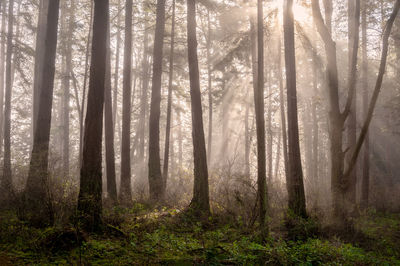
(81, 115)
(155, 177)
(39, 54)
(260, 123)
(210, 99)
(200, 201)
(282, 110)
(66, 85)
(294, 181)
(353, 37)
(37, 197)
(2, 68)
(109, 127)
(364, 80)
(125, 189)
(116, 74)
(7, 179)
(89, 201)
(143, 102)
(169, 103)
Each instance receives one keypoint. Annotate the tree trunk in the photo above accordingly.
(315, 134)
(7, 181)
(365, 163)
(210, 99)
(143, 102)
(260, 123)
(37, 188)
(116, 74)
(269, 129)
(353, 26)
(294, 181)
(155, 176)
(39, 54)
(200, 201)
(89, 201)
(109, 128)
(169, 104)
(81, 125)
(282, 110)
(125, 189)
(2, 68)
(66, 85)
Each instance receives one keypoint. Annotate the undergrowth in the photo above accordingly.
(168, 236)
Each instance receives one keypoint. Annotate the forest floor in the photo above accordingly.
(141, 236)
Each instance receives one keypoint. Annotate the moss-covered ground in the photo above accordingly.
(137, 236)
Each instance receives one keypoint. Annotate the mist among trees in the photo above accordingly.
(199, 132)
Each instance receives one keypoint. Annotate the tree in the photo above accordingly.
(377, 89)
(89, 201)
(210, 97)
(109, 127)
(282, 110)
(364, 80)
(67, 58)
(6, 184)
(125, 190)
(337, 118)
(81, 125)
(39, 53)
(116, 74)
(169, 103)
(294, 182)
(200, 201)
(143, 98)
(260, 123)
(155, 178)
(37, 198)
(353, 36)
(2, 68)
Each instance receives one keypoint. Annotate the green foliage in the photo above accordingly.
(168, 236)
(300, 228)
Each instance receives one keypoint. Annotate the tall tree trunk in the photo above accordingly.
(81, 125)
(109, 127)
(155, 176)
(315, 134)
(269, 129)
(169, 104)
(116, 74)
(210, 99)
(294, 181)
(353, 26)
(200, 201)
(260, 123)
(37, 187)
(253, 55)
(7, 181)
(247, 137)
(2, 68)
(39, 57)
(89, 201)
(282, 110)
(125, 189)
(180, 140)
(143, 101)
(66, 87)
(365, 163)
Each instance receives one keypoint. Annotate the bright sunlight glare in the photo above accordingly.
(301, 13)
